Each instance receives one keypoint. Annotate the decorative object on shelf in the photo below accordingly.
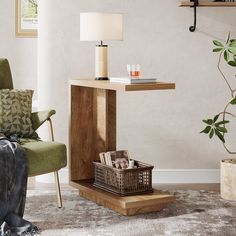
(216, 126)
(133, 70)
(26, 18)
(99, 27)
(205, 3)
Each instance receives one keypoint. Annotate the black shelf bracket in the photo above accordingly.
(195, 5)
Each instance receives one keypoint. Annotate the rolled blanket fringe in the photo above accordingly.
(33, 231)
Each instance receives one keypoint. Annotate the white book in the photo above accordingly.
(108, 159)
(102, 157)
(132, 80)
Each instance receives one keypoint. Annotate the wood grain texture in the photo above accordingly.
(92, 128)
(81, 133)
(130, 205)
(205, 3)
(120, 86)
(111, 120)
(104, 105)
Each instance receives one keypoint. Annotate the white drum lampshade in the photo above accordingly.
(101, 27)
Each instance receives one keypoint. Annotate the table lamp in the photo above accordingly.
(101, 27)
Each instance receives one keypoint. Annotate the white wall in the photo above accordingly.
(160, 127)
(21, 52)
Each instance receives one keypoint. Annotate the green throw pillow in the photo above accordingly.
(15, 113)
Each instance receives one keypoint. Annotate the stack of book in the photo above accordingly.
(133, 80)
(118, 159)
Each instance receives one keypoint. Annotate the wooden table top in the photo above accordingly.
(106, 84)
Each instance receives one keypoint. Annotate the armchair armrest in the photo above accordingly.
(38, 118)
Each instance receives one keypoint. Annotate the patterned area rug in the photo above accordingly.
(195, 213)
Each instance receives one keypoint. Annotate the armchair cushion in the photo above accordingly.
(5, 74)
(38, 118)
(15, 112)
(44, 157)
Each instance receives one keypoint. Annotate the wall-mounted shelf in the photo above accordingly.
(203, 3)
(208, 4)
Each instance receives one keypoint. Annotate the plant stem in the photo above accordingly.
(230, 152)
(218, 66)
(231, 114)
(228, 113)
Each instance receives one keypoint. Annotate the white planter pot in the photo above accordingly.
(228, 179)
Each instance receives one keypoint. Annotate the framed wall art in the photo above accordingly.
(26, 18)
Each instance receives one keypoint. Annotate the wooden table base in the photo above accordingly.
(129, 205)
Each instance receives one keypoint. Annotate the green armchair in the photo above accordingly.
(43, 157)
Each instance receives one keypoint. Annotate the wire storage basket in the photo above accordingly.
(124, 181)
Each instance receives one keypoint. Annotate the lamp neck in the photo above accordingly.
(101, 45)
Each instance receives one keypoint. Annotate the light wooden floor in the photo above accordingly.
(32, 185)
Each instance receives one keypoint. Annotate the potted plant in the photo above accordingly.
(217, 126)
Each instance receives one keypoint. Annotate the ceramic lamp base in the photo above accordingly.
(101, 62)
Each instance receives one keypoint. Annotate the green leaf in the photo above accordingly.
(228, 38)
(222, 129)
(211, 133)
(233, 101)
(217, 49)
(226, 55)
(223, 122)
(208, 121)
(232, 43)
(232, 50)
(232, 63)
(217, 43)
(219, 135)
(206, 130)
(216, 118)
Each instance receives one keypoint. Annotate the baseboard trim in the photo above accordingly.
(186, 176)
(159, 176)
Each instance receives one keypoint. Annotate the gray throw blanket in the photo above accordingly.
(13, 184)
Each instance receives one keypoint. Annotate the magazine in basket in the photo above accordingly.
(119, 159)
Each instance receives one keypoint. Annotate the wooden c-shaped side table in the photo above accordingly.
(93, 130)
